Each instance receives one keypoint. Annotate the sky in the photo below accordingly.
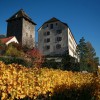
(82, 16)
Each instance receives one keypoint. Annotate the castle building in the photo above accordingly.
(55, 37)
(22, 27)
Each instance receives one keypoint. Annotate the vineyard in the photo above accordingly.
(18, 82)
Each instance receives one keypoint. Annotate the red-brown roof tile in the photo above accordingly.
(5, 40)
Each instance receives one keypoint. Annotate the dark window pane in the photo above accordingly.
(59, 38)
(48, 33)
(58, 46)
(59, 31)
(47, 47)
(51, 26)
(48, 39)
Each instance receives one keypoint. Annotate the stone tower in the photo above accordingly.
(21, 26)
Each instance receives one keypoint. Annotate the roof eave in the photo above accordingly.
(21, 17)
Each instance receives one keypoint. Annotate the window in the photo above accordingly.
(59, 31)
(56, 24)
(58, 38)
(30, 36)
(58, 46)
(47, 40)
(47, 25)
(48, 33)
(51, 26)
(47, 47)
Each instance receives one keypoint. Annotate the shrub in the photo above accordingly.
(20, 83)
(10, 60)
(12, 51)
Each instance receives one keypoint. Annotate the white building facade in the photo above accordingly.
(55, 38)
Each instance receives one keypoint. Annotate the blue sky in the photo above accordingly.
(82, 16)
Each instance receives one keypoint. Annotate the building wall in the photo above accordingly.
(23, 30)
(53, 38)
(12, 40)
(28, 34)
(71, 44)
(14, 28)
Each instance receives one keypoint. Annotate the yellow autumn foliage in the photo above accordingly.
(17, 81)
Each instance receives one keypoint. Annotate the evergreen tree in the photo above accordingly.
(82, 52)
(92, 60)
(87, 55)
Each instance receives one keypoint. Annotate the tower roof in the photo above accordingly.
(21, 14)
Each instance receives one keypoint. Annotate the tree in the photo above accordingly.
(2, 48)
(36, 57)
(87, 55)
(12, 51)
(69, 63)
(82, 52)
(92, 60)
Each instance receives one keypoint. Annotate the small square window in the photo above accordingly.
(47, 40)
(58, 46)
(51, 26)
(58, 38)
(30, 36)
(47, 47)
(59, 31)
(48, 33)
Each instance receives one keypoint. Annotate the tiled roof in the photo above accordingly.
(5, 40)
(21, 14)
(53, 20)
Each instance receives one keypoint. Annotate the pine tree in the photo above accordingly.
(87, 55)
(92, 60)
(82, 52)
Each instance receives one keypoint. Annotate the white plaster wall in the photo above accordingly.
(52, 36)
(12, 40)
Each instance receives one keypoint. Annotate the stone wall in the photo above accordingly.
(14, 28)
(28, 34)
